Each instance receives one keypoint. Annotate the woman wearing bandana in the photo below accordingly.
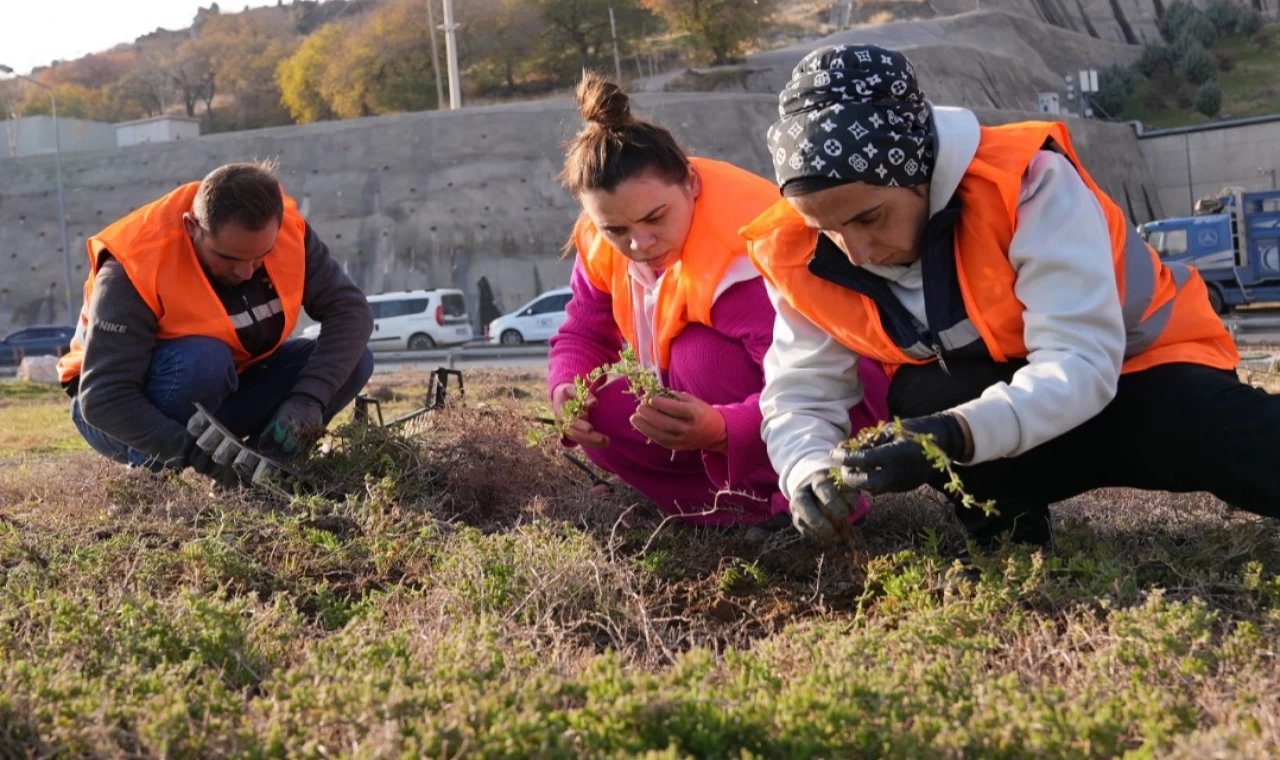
(1025, 325)
(660, 265)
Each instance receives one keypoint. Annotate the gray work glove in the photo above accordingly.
(298, 423)
(820, 508)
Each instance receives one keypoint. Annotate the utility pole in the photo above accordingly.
(435, 55)
(617, 62)
(451, 52)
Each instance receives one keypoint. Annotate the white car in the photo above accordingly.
(415, 320)
(536, 321)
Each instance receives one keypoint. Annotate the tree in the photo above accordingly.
(1175, 17)
(1209, 99)
(501, 37)
(1199, 65)
(1224, 15)
(1116, 84)
(719, 27)
(578, 35)
(244, 51)
(301, 76)
(1199, 27)
(192, 72)
(1156, 60)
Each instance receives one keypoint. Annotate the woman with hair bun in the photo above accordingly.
(660, 266)
(1026, 326)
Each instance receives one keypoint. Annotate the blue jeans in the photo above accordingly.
(197, 369)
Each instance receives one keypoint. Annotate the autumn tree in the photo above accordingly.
(578, 34)
(301, 77)
(501, 37)
(718, 27)
(244, 51)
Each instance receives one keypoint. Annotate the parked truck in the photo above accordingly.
(1234, 242)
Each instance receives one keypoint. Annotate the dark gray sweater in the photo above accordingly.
(117, 356)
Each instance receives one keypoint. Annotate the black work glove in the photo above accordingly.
(890, 465)
(298, 423)
(820, 507)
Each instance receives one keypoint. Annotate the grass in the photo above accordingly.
(470, 598)
(1252, 88)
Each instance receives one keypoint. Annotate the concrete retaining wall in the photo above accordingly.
(1189, 163)
(413, 200)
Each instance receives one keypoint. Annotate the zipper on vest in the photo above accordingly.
(247, 310)
(938, 350)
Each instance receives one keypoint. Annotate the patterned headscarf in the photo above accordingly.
(852, 113)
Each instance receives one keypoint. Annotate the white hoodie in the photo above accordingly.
(1074, 330)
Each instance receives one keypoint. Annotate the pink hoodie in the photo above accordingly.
(721, 366)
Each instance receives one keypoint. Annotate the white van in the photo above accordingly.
(415, 320)
(536, 321)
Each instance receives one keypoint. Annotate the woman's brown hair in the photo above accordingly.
(614, 146)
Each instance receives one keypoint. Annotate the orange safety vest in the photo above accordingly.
(730, 198)
(1166, 308)
(153, 247)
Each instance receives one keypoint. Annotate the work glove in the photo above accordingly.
(297, 424)
(681, 423)
(821, 507)
(891, 465)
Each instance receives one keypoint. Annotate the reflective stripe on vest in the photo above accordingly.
(1165, 307)
(152, 246)
(730, 198)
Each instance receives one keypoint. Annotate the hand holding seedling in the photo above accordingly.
(681, 422)
(577, 428)
(905, 456)
(821, 507)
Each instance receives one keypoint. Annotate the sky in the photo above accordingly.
(38, 32)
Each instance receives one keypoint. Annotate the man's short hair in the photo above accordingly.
(247, 194)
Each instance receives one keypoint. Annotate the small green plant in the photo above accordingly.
(940, 460)
(1209, 99)
(1155, 60)
(741, 574)
(1199, 65)
(641, 383)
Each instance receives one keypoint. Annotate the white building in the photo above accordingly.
(33, 136)
(156, 129)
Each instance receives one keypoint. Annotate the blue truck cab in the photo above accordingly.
(1234, 242)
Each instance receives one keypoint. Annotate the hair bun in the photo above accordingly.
(602, 102)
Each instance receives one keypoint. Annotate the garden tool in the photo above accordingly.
(226, 449)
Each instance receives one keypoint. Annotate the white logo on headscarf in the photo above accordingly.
(780, 157)
(898, 87)
(870, 150)
(858, 162)
(833, 147)
(805, 145)
(886, 60)
(821, 79)
(858, 131)
(911, 167)
(828, 125)
(876, 121)
(863, 56)
(837, 63)
(795, 130)
(896, 156)
(796, 161)
(875, 79)
(818, 163)
(881, 171)
(861, 87)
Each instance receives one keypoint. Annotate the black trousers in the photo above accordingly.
(1177, 427)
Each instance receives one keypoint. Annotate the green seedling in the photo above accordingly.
(642, 383)
(936, 456)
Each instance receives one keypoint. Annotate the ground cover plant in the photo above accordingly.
(454, 593)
